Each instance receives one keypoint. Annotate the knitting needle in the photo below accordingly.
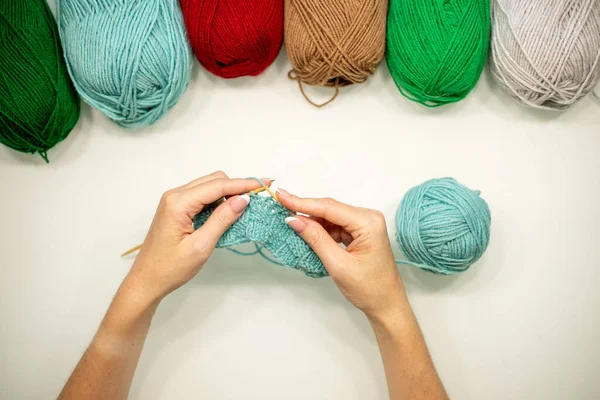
(274, 195)
(133, 250)
(220, 201)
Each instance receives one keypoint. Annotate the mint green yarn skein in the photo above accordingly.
(129, 59)
(442, 226)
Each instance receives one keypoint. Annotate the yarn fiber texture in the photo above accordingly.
(436, 50)
(233, 38)
(129, 59)
(545, 53)
(38, 104)
(263, 222)
(442, 226)
(334, 42)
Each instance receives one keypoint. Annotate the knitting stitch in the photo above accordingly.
(263, 222)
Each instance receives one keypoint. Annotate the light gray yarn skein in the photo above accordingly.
(546, 53)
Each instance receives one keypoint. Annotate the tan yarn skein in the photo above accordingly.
(334, 43)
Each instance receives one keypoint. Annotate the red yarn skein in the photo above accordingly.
(234, 38)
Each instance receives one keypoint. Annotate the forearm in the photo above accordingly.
(409, 370)
(106, 369)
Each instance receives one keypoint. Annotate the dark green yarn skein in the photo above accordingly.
(38, 104)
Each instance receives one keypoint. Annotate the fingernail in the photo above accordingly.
(296, 224)
(239, 203)
(282, 192)
(267, 181)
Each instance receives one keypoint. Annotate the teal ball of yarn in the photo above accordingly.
(129, 59)
(442, 226)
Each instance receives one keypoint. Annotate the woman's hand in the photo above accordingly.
(173, 252)
(171, 255)
(365, 271)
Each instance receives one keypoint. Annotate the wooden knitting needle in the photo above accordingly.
(274, 195)
(132, 250)
(256, 191)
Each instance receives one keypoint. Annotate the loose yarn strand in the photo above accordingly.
(292, 76)
(259, 250)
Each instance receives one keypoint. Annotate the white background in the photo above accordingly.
(521, 324)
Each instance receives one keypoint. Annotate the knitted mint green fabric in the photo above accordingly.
(263, 222)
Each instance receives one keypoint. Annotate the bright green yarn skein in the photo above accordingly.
(436, 49)
(442, 226)
(129, 59)
(38, 104)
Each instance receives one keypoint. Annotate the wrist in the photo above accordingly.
(129, 315)
(137, 293)
(389, 317)
(393, 304)
(142, 283)
(395, 312)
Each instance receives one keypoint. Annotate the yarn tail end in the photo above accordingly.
(426, 267)
(44, 155)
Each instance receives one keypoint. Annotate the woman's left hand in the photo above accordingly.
(173, 253)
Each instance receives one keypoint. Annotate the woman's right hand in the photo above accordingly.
(365, 271)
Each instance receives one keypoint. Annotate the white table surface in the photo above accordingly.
(521, 324)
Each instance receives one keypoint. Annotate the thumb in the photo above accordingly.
(220, 220)
(313, 233)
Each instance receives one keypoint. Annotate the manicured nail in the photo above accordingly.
(282, 192)
(239, 203)
(296, 224)
(267, 181)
